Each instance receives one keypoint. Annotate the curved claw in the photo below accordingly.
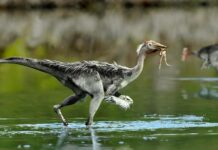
(88, 123)
(65, 124)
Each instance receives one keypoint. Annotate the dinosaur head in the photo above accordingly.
(150, 47)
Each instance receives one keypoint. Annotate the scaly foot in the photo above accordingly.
(58, 112)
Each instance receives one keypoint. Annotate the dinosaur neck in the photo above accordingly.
(194, 53)
(136, 71)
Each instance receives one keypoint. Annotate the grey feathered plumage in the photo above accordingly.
(65, 70)
(100, 80)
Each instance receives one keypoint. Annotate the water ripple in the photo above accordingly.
(150, 123)
(206, 79)
(161, 122)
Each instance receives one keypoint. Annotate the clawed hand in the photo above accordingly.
(123, 101)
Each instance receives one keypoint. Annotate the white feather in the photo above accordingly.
(139, 48)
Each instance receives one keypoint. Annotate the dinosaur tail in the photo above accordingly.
(54, 68)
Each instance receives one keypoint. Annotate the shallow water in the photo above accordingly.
(162, 129)
(187, 119)
(153, 123)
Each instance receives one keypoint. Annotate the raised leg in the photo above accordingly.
(94, 105)
(68, 101)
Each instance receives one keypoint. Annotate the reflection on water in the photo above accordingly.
(95, 144)
(62, 138)
(208, 92)
(208, 88)
(175, 118)
(155, 127)
(202, 79)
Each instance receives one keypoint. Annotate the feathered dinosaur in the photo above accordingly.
(209, 55)
(100, 80)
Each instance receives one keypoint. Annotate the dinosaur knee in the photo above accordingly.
(56, 107)
(99, 96)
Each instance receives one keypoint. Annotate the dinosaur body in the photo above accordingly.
(100, 80)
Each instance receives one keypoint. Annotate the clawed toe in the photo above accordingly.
(88, 126)
(56, 107)
(110, 99)
(88, 123)
(126, 98)
(65, 124)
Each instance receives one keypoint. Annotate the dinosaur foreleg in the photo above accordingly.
(111, 90)
(123, 101)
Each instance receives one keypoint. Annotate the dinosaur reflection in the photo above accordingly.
(208, 92)
(205, 91)
(64, 140)
(95, 144)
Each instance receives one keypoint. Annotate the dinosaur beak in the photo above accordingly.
(154, 47)
(159, 46)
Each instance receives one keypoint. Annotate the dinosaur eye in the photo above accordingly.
(149, 44)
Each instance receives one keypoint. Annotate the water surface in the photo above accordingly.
(161, 129)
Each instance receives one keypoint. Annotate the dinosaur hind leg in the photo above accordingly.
(68, 101)
(94, 105)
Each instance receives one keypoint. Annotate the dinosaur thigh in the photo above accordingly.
(90, 83)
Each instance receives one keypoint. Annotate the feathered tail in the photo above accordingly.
(54, 68)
